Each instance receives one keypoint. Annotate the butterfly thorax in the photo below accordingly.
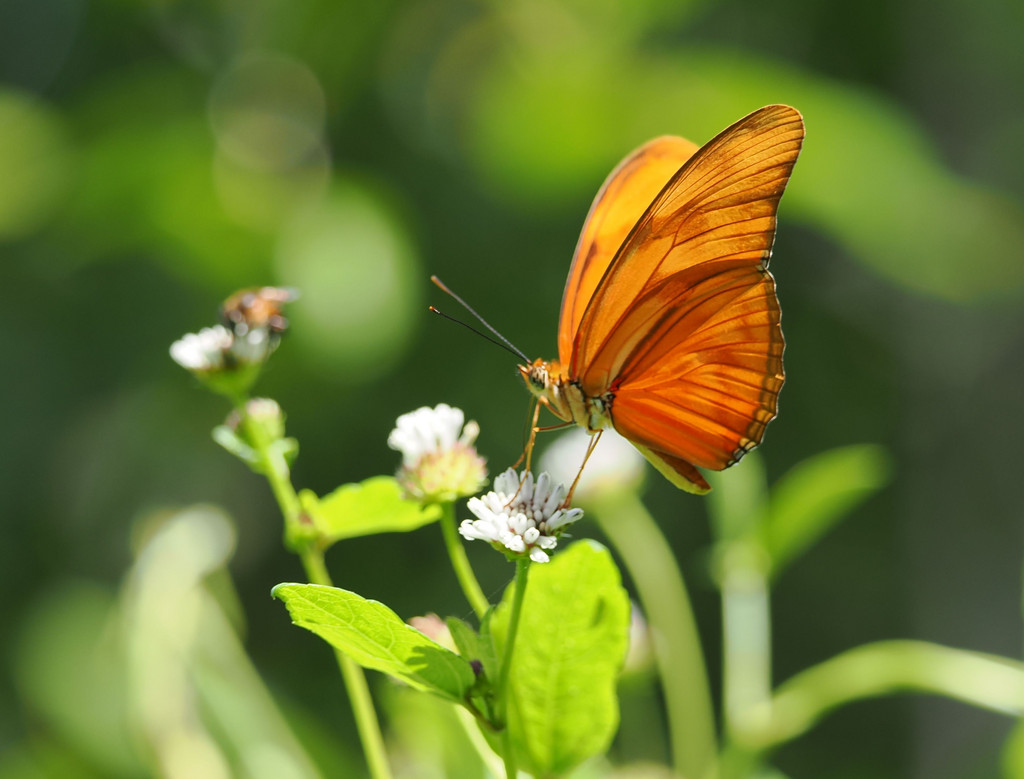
(565, 397)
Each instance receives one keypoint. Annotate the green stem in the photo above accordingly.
(274, 467)
(746, 642)
(887, 667)
(662, 592)
(460, 562)
(355, 682)
(279, 476)
(522, 574)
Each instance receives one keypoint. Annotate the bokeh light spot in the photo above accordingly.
(34, 164)
(267, 114)
(356, 269)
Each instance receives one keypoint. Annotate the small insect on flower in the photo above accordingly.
(256, 318)
(519, 517)
(439, 461)
(257, 308)
(228, 356)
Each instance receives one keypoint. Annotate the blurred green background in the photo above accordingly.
(156, 156)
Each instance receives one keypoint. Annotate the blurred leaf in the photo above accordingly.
(70, 667)
(198, 701)
(817, 493)
(429, 738)
(869, 176)
(1013, 753)
(49, 758)
(372, 506)
(375, 637)
(569, 651)
(233, 443)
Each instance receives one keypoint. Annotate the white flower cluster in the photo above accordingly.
(203, 351)
(430, 430)
(217, 348)
(439, 461)
(521, 516)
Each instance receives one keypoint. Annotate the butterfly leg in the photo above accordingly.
(527, 454)
(590, 450)
(528, 449)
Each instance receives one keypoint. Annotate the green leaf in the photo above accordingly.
(815, 494)
(473, 646)
(375, 637)
(569, 650)
(372, 506)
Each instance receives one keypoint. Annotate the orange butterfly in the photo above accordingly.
(669, 330)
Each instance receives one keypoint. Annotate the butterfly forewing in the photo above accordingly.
(682, 327)
(718, 209)
(622, 200)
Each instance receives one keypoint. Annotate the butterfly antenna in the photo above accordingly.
(483, 335)
(501, 341)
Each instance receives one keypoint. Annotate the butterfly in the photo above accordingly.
(669, 329)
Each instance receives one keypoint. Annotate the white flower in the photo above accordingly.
(203, 351)
(439, 461)
(428, 430)
(217, 348)
(520, 516)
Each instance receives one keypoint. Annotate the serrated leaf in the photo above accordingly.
(815, 494)
(375, 637)
(372, 506)
(568, 653)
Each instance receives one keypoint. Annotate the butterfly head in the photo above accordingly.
(564, 397)
(537, 376)
(544, 381)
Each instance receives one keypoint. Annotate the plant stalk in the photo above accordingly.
(888, 667)
(522, 574)
(678, 654)
(355, 682)
(746, 642)
(460, 562)
(279, 477)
